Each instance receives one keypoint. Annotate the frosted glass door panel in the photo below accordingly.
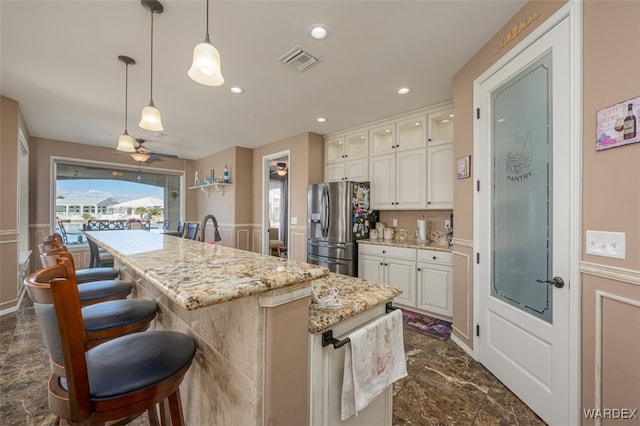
(357, 146)
(334, 150)
(522, 192)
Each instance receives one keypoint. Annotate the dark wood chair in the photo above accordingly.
(180, 228)
(192, 231)
(118, 380)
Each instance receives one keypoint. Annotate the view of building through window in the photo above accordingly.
(92, 197)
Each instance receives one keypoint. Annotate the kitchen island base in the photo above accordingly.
(251, 364)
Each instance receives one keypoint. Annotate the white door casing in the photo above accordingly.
(531, 355)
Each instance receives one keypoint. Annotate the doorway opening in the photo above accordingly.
(275, 222)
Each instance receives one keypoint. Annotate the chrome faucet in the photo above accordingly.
(216, 233)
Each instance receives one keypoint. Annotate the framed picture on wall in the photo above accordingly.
(617, 124)
(464, 167)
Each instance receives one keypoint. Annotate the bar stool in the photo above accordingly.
(83, 275)
(91, 292)
(117, 380)
(191, 231)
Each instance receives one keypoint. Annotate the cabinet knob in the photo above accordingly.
(419, 269)
(434, 258)
(381, 264)
(384, 251)
(429, 139)
(428, 202)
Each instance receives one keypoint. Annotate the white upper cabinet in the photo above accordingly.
(334, 150)
(440, 126)
(346, 158)
(383, 139)
(412, 133)
(440, 176)
(408, 159)
(357, 146)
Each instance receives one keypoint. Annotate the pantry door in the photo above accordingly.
(524, 222)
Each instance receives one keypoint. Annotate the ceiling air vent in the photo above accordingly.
(299, 58)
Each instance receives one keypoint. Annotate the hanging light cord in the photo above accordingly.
(152, 57)
(126, 94)
(207, 39)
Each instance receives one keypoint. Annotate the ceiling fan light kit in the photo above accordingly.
(140, 157)
(151, 119)
(205, 68)
(125, 142)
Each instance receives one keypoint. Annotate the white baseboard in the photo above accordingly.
(463, 346)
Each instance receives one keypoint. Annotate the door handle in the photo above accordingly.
(555, 281)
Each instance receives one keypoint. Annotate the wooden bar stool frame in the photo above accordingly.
(56, 285)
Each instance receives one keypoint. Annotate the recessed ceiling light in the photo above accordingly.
(445, 121)
(404, 90)
(237, 90)
(318, 32)
(450, 115)
(321, 120)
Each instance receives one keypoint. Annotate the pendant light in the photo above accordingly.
(151, 119)
(206, 68)
(125, 142)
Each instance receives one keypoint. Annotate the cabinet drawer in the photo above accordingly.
(388, 251)
(434, 256)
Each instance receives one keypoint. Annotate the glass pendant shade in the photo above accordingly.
(140, 157)
(205, 68)
(151, 119)
(125, 143)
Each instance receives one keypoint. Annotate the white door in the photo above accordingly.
(523, 224)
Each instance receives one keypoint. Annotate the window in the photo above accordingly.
(98, 196)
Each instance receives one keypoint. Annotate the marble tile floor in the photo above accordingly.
(444, 387)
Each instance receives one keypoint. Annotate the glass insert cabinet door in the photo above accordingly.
(522, 190)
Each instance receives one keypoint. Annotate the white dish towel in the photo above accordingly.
(372, 361)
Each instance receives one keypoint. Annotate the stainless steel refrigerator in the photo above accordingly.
(338, 215)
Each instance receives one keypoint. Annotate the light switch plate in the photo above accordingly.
(294, 220)
(607, 244)
(394, 222)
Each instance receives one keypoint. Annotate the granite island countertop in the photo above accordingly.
(409, 243)
(356, 296)
(195, 274)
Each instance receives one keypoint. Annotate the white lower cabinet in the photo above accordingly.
(326, 369)
(425, 276)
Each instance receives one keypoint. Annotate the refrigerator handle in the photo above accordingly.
(324, 220)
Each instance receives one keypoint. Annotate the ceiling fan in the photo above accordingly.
(280, 170)
(144, 155)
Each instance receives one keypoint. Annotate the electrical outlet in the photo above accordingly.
(294, 220)
(607, 244)
(395, 222)
(447, 223)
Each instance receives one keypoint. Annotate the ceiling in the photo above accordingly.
(59, 61)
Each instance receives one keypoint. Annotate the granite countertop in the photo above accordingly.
(410, 243)
(195, 274)
(356, 294)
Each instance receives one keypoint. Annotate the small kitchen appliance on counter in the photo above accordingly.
(338, 215)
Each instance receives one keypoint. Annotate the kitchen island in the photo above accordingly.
(249, 314)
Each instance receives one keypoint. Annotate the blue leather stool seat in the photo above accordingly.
(99, 290)
(137, 361)
(96, 274)
(117, 313)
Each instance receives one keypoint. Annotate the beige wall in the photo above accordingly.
(232, 206)
(610, 200)
(407, 219)
(463, 188)
(9, 233)
(306, 156)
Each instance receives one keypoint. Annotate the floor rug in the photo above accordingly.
(437, 328)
